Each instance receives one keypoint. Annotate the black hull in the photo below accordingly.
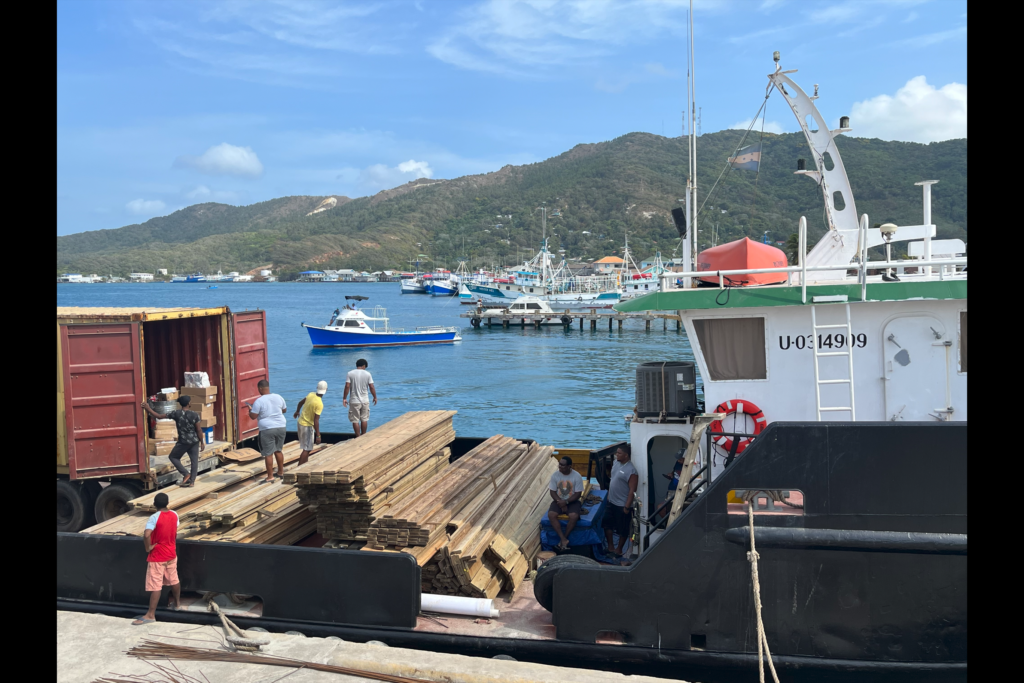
(843, 595)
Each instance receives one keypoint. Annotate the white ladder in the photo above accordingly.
(848, 345)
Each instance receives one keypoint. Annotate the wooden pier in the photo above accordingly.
(568, 318)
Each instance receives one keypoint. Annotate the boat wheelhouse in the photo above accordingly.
(839, 338)
(531, 307)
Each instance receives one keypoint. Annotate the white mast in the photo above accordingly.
(692, 97)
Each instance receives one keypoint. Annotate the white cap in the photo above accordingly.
(321, 388)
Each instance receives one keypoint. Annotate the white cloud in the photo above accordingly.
(203, 193)
(381, 177)
(225, 159)
(525, 37)
(283, 42)
(918, 112)
(769, 126)
(929, 39)
(145, 207)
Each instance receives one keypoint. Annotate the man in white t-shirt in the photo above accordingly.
(269, 410)
(565, 489)
(358, 387)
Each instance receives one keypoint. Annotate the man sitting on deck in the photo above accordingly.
(565, 488)
(160, 539)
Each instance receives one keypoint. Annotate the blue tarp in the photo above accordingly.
(587, 531)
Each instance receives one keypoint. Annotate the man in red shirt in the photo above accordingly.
(160, 539)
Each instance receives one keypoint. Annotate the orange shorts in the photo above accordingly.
(160, 574)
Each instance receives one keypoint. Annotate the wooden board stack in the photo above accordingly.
(229, 504)
(476, 530)
(355, 481)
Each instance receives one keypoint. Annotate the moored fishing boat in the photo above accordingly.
(531, 308)
(351, 327)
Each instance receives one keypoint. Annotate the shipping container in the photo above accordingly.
(109, 360)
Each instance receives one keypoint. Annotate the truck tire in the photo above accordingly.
(73, 511)
(113, 500)
(544, 582)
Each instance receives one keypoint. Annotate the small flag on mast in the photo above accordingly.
(748, 158)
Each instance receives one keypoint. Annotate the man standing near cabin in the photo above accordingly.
(565, 489)
(308, 414)
(269, 410)
(618, 516)
(360, 383)
(160, 541)
(189, 440)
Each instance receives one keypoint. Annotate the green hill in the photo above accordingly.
(629, 184)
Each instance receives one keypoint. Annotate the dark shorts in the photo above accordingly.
(271, 441)
(573, 507)
(616, 520)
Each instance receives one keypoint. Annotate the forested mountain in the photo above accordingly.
(601, 192)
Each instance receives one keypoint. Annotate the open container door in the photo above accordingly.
(251, 364)
(103, 391)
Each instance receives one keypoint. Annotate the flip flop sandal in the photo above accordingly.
(139, 621)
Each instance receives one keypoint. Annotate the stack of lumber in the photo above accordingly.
(475, 531)
(229, 504)
(353, 482)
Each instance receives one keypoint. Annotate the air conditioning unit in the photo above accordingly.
(668, 389)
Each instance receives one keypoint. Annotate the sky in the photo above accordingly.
(164, 105)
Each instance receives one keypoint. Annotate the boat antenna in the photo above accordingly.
(692, 108)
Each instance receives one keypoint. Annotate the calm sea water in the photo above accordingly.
(564, 388)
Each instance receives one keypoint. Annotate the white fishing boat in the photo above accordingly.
(351, 327)
(531, 307)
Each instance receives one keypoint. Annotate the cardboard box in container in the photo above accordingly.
(161, 447)
(205, 410)
(167, 396)
(208, 394)
(207, 422)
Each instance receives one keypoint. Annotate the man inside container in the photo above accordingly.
(189, 441)
(308, 414)
(360, 383)
(269, 410)
(565, 489)
(618, 514)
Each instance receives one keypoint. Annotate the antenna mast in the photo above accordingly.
(691, 96)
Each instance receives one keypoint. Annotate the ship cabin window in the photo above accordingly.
(351, 323)
(533, 307)
(733, 348)
(963, 341)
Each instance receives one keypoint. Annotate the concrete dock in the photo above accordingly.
(91, 646)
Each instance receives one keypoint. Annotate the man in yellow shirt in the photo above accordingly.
(308, 413)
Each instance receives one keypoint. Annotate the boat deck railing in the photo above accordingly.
(947, 268)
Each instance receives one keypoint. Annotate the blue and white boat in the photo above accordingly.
(350, 327)
(197, 277)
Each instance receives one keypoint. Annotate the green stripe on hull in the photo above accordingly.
(757, 297)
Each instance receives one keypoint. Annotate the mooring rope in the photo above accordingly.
(762, 639)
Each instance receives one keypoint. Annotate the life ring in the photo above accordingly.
(741, 407)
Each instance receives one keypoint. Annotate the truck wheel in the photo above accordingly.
(73, 511)
(544, 582)
(113, 500)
